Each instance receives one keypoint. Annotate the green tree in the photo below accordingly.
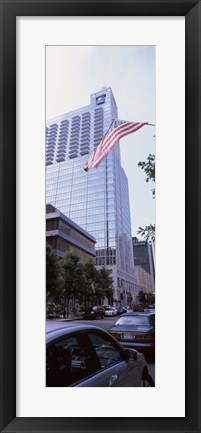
(142, 297)
(149, 168)
(104, 284)
(70, 277)
(96, 284)
(148, 232)
(52, 272)
(146, 298)
(89, 278)
(151, 298)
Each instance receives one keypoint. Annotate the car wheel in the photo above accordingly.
(147, 380)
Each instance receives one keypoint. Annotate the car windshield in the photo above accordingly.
(132, 320)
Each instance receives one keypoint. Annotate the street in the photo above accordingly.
(107, 323)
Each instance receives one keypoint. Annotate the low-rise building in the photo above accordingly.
(65, 235)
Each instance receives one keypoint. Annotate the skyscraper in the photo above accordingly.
(97, 200)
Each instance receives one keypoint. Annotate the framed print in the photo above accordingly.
(28, 29)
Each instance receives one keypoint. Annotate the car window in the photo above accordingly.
(133, 320)
(107, 353)
(68, 361)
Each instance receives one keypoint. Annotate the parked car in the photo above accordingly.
(121, 310)
(94, 312)
(135, 330)
(87, 356)
(51, 316)
(149, 310)
(139, 308)
(110, 311)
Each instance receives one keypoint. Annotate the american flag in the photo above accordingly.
(117, 130)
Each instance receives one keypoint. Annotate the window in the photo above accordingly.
(68, 361)
(107, 353)
(133, 321)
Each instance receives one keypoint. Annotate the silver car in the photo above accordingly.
(110, 311)
(87, 356)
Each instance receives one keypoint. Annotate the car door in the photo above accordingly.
(114, 371)
(69, 361)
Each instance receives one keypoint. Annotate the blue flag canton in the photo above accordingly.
(117, 122)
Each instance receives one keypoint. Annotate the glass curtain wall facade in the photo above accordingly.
(97, 200)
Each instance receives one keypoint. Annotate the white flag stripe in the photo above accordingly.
(110, 146)
(109, 140)
(112, 140)
(98, 150)
(124, 129)
(114, 132)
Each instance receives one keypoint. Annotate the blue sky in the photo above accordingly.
(74, 72)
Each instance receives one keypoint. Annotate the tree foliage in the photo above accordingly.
(89, 280)
(148, 232)
(149, 168)
(52, 271)
(104, 283)
(146, 298)
(70, 275)
(77, 280)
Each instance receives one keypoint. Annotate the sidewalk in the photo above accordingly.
(69, 319)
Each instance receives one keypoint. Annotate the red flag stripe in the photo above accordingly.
(125, 126)
(109, 140)
(111, 144)
(125, 129)
(112, 134)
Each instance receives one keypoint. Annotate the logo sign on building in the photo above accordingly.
(100, 99)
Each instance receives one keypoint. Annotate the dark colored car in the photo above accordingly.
(87, 356)
(94, 312)
(136, 331)
(139, 308)
(121, 310)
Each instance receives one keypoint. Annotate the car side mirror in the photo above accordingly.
(131, 356)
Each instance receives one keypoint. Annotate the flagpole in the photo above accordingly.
(110, 126)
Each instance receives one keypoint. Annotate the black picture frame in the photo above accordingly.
(191, 9)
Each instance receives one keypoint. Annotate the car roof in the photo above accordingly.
(138, 313)
(57, 333)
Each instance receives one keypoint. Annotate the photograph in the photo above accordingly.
(100, 216)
